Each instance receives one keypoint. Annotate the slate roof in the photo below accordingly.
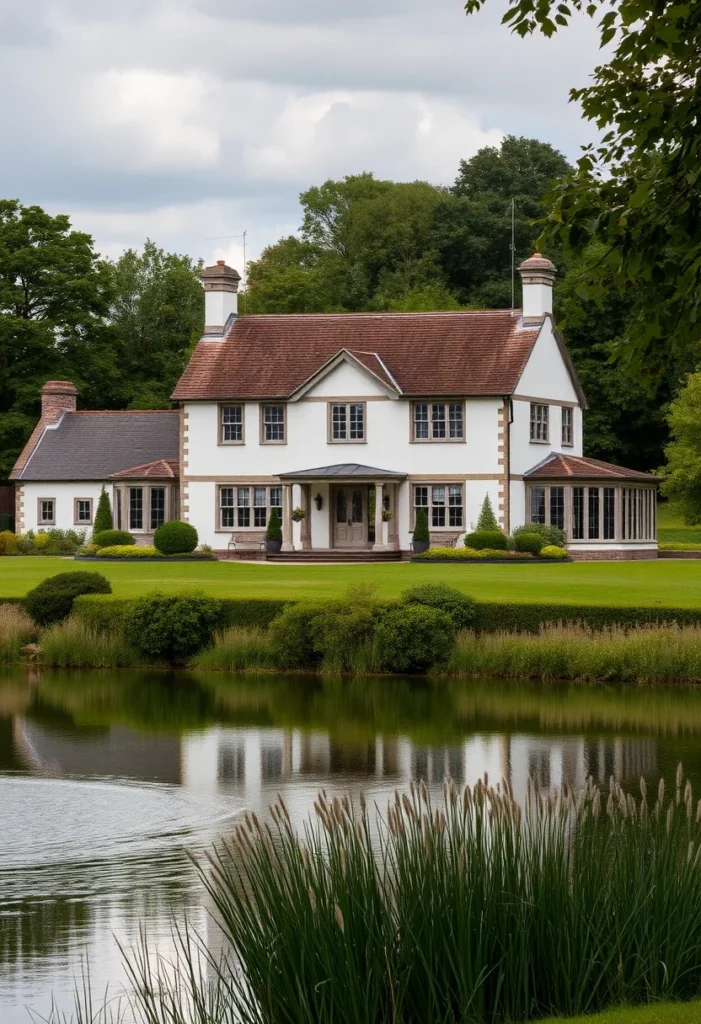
(266, 356)
(349, 470)
(559, 467)
(96, 445)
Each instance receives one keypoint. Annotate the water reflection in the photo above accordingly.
(107, 780)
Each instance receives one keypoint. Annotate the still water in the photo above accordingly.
(108, 781)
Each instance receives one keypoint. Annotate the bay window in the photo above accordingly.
(592, 512)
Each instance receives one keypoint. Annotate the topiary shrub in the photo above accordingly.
(487, 520)
(172, 626)
(480, 539)
(52, 600)
(421, 534)
(532, 542)
(9, 543)
(274, 530)
(175, 538)
(460, 607)
(103, 515)
(414, 638)
(553, 551)
(550, 534)
(293, 636)
(112, 538)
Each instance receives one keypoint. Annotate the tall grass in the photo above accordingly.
(669, 653)
(16, 630)
(74, 644)
(238, 649)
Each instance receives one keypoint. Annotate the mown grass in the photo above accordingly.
(660, 1013)
(73, 644)
(647, 583)
(671, 528)
(16, 630)
(659, 654)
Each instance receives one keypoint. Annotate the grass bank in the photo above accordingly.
(652, 584)
(671, 528)
(661, 1013)
(648, 654)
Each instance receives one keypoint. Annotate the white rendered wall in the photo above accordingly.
(64, 494)
(218, 307)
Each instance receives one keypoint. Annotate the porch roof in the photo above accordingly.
(343, 471)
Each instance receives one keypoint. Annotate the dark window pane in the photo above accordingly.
(609, 513)
(557, 507)
(232, 422)
(456, 424)
(537, 504)
(577, 513)
(438, 421)
(158, 506)
(357, 422)
(593, 513)
(136, 508)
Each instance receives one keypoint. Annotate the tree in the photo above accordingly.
(683, 469)
(54, 294)
(487, 520)
(639, 191)
(157, 316)
(103, 515)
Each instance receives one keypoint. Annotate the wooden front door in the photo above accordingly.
(350, 514)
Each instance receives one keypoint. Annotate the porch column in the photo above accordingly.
(306, 522)
(378, 545)
(287, 544)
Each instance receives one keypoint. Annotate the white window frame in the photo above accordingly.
(267, 422)
(224, 408)
(567, 426)
(437, 502)
(136, 529)
(347, 423)
(77, 521)
(157, 487)
(245, 504)
(452, 420)
(41, 520)
(540, 423)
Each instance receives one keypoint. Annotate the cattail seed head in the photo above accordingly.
(643, 787)
(339, 917)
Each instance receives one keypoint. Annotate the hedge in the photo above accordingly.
(102, 611)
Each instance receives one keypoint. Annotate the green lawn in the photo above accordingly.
(664, 1013)
(671, 527)
(613, 583)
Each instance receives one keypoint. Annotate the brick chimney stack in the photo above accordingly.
(57, 398)
(221, 285)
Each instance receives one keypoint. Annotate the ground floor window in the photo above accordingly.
(136, 508)
(158, 507)
(46, 511)
(82, 512)
(593, 512)
(248, 507)
(443, 504)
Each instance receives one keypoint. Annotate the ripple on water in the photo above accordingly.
(46, 822)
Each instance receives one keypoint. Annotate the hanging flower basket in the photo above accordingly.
(298, 514)
(387, 515)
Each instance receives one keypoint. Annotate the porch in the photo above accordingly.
(347, 509)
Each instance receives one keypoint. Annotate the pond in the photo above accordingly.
(107, 781)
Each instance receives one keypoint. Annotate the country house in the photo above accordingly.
(347, 424)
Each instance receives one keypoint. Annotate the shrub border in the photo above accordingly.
(150, 558)
(533, 560)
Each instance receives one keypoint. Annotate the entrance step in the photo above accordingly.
(335, 556)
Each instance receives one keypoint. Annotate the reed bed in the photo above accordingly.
(238, 649)
(16, 630)
(659, 654)
(75, 644)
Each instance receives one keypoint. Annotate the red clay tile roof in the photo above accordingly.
(161, 469)
(560, 467)
(268, 356)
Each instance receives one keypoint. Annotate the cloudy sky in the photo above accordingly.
(189, 120)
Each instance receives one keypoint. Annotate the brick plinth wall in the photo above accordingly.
(680, 554)
(610, 556)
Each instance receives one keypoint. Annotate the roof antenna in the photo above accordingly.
(513, 257)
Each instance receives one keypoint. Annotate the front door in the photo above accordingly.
(350, 513)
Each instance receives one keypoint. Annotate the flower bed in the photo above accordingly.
(140, 554)
(488, 555)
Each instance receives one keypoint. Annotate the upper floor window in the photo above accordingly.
(47, 511)
(438, 421)
(231, 424)
(82, 511)
(347, 421)
(273, 424)
(567, 425)
(539, 423)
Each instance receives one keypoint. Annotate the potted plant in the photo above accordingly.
(387, 515)
(273, 534)
(421, 539)
(299, 514)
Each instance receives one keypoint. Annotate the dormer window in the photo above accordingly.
(346, 422)
(438, 421)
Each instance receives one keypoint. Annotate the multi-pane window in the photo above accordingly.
(83, 510)
(47, 511)
(609, 520)
(438, 421)
(248, 507)
(231, 424)
(557, 507)
(443, 504)
(348, 421)
(136, 508)
(567, 426)
(593, 499)
(273, 431)
(539, 423)
(638, 513)
(577, 513)
(158, 507)
(537, 505)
